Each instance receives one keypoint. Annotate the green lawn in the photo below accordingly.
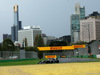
(19, 62)
(28, 62)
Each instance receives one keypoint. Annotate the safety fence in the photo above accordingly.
(17, 60)
(4, 55)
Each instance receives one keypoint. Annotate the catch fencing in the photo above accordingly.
(22, 54)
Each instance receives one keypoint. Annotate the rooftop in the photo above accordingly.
(31, 27)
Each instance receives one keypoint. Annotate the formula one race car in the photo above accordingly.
(50, 60)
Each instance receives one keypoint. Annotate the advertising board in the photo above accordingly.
(50, 56)
(60, 47)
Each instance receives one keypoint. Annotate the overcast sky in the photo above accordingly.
(53, 16)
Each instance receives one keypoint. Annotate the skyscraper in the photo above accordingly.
(75, 22)
(90, 28)
(17, 24)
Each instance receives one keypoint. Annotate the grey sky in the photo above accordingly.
(53, 16)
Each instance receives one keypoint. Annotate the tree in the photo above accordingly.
(29, 48)
(8, 45)
(38, 42)
(67, 43)
(40, 54)
(78, 43)
(25, 42)
(58, 43)
(35, 49)
(0, 48)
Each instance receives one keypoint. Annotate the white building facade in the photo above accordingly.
(28, 32)
(90, 29)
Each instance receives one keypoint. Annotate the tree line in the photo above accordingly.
(8, 45)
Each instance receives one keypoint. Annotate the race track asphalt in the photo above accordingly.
(66, 60)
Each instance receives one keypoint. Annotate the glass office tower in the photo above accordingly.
(75, 22)
(17, 24)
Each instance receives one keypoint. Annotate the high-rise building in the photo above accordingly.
(17, 24)
(20, 25)
(75, 22)
(29, 33)
(90, 28)
(6, 36)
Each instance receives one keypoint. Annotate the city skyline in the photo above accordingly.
(53, 16)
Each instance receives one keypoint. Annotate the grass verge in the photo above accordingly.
(31, 62)
(19, 62)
